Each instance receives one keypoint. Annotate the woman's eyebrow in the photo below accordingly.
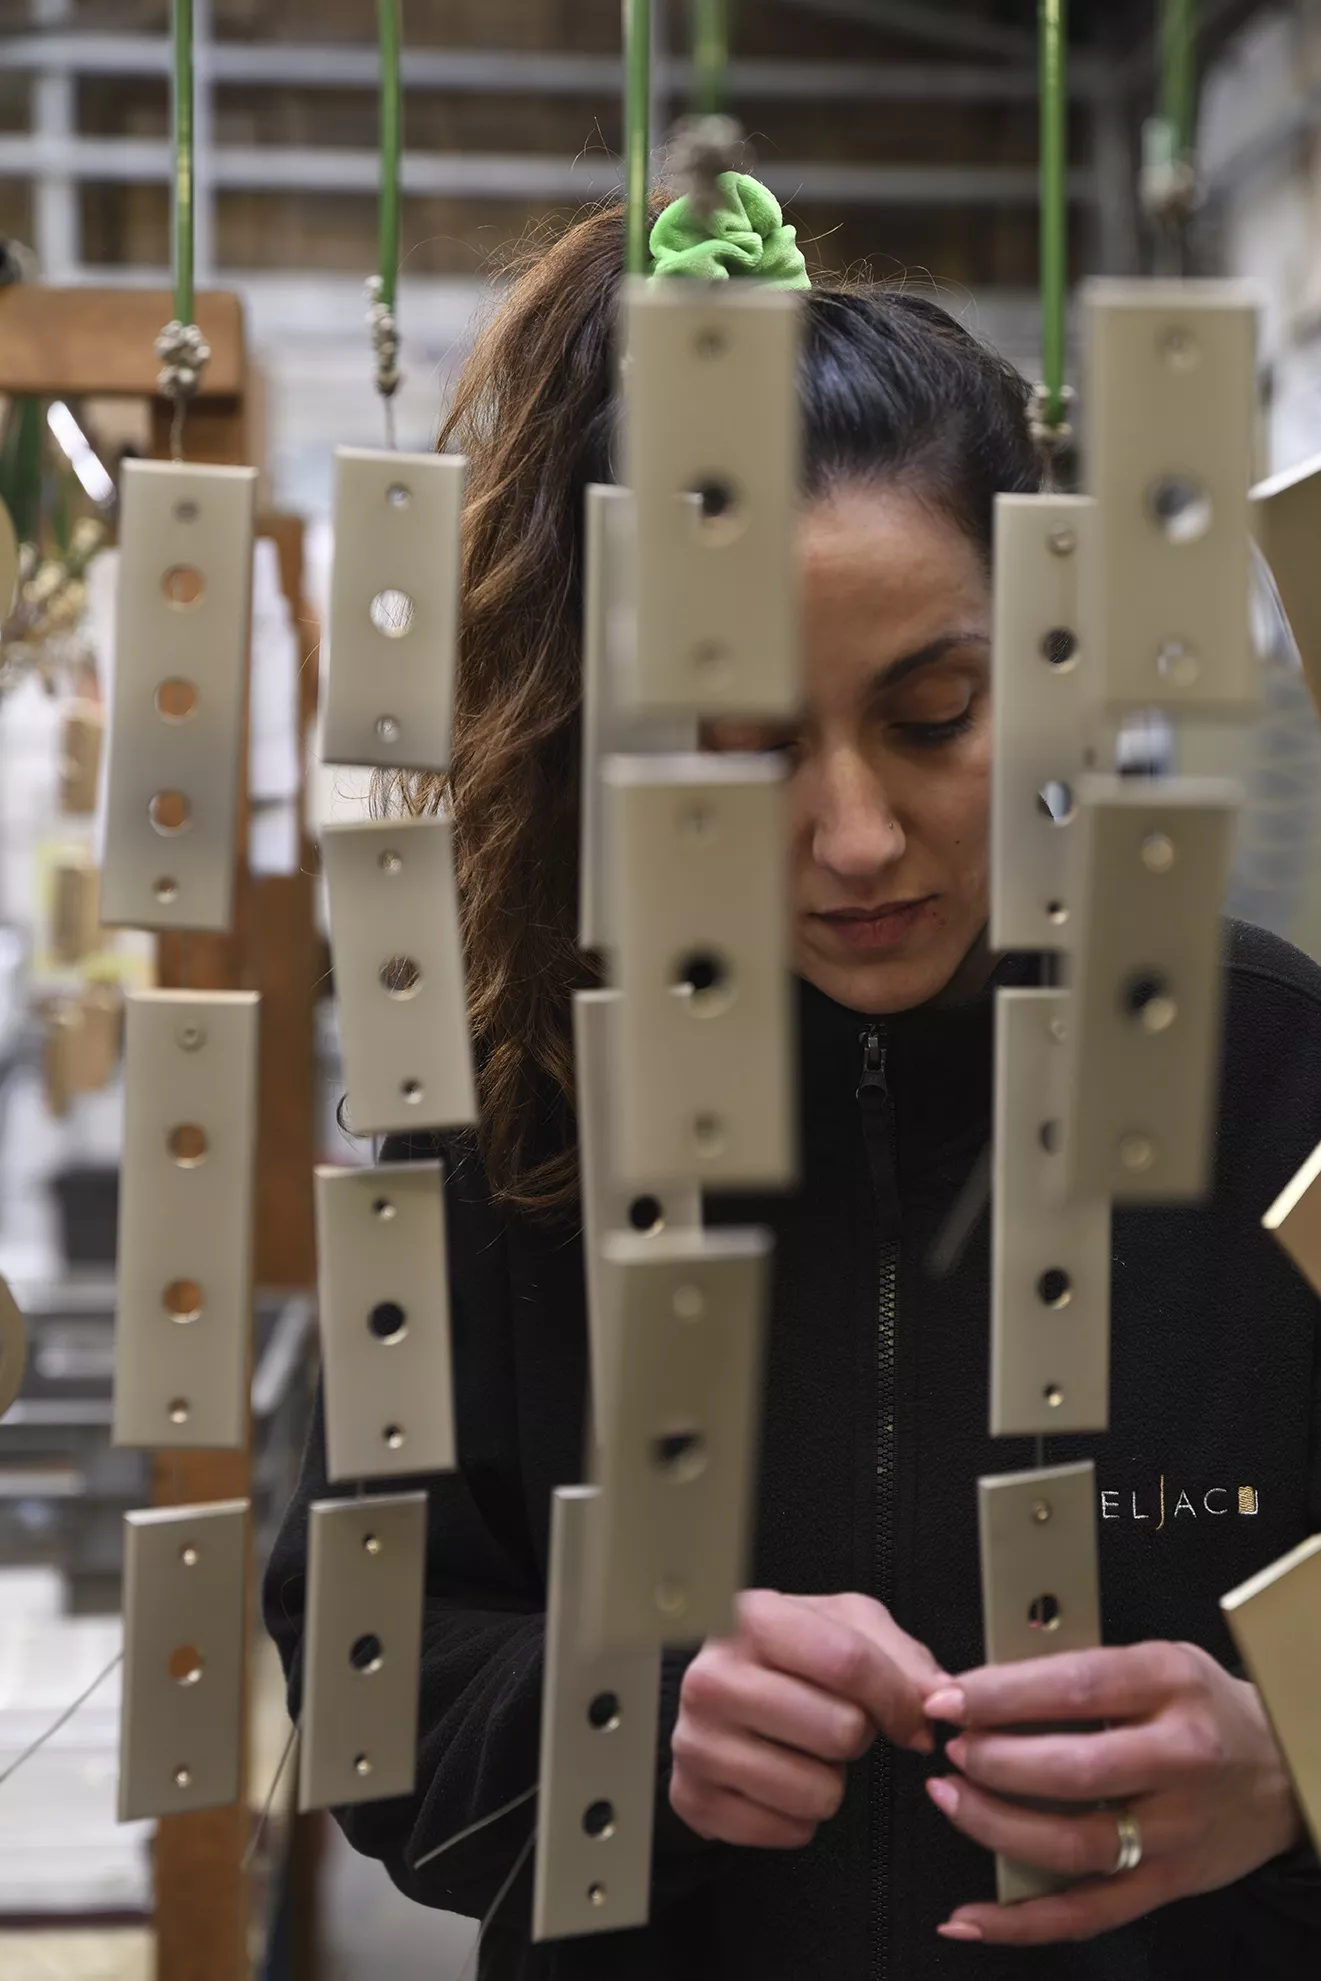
(909, 663)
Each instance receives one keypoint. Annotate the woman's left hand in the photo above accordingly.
(1187, 1751)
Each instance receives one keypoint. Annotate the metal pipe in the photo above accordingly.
(183, 160)
(637, 133)
(387, 20)
(710, 55)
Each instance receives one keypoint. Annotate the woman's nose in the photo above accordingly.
(854, 830)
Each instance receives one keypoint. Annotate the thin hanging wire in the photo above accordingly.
(637, 135)
(382, 288)
(1050, 405)
(254, 1842)
(472, 1829)
(495, 1905)
(63, 1720)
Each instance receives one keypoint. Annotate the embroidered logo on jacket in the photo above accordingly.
(1157, 1504)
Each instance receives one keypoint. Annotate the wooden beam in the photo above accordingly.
(76, 343)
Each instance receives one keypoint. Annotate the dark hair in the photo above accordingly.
(892, 388)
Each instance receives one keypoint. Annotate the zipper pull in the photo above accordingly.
(873, 1064)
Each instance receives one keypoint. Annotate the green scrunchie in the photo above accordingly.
(747, 237)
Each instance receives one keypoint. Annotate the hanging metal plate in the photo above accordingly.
(180, 692)
(717, 496)
(1040, 1591)
(399, 986)
(1295, 1219)
(383, 1298)
(394, 608)
(1142, 1053)
(1169, 386)
(703, 1069)
(678, 1437)
(1286, 513)
(366, 1565)
(599, 1718)
(608, 646)
(181, 1737)
(607, 1205)
(1038, 709)
(183, 1316)
(1275, 1618)
(13, 1348)
(1050, 1260)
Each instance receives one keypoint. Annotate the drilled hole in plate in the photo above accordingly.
(388, 728)
(188, 1555)
(599, 1819)
(179, 1410)
(392, 1437)
(708, 1134)
(400, 976)
(366, 1653)
(647, 1214)
(1146, 997)
(1180, 507)
(1055, 801)
(182, 1300)
(398, 496)
(1059, 646)
(596, 1895)
(176, 699)
(705, 981)
(187, 1144)
(1053, 1395)
(1054, 1288)
(388, 1321)
(1056, 913)
(1043, 1613)
(371, 1544)
(184, 1664)
(411, 1091)
(384, 1210)
(183, 1778)
(689, 1302)
(603, 1712)
(392, 613)
(170, 813)
(709, 342)
(680, 1455)
(719, 509)
(185, 512)
(183, 586)
(390, 862)
(165, 888)
(1050, 1137)
(362, 1764)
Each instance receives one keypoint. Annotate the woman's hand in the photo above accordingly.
(1188, 1752)
(769, 1719)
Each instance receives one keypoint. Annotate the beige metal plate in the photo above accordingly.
(394, 608)
(678, 1437)
(703, 1067)
(599, 1716)
(1142, 1054)
(1039, 712)
(1169, 386)
(607, 1205)
(183, 1318)
(399, 984)
(366, 1567)
(1275, 1618)
(1040, 1591)
(1286, 511)
(608, 647)
(13, 1348)
(1295, 1219)
(383, 1296)
(180, 691)
(181, 1736)
(1050, 1260)
(711, 406)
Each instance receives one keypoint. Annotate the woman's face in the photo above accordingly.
(890, 762)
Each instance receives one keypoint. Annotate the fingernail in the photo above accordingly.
(922, 1741)
(959, 1929)
(956, 1750)
(945, 1795)
(947, 1704)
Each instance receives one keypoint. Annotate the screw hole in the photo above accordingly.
(170, 813)
(366, 1653)
(182, 1300)
(1180, 507)
(647, 1214)
(1044, 1613)
(185, 1664)
(388, 1321)
(603, 1712)
(400, 976)
(392, 613)
(1059, 646)
(182, 586)
(176, 699)
(187, 1144)
(1055, 1288)
(599, 1819)
(1055, 801)
(681, 1455)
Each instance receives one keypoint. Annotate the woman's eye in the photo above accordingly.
(929, 734)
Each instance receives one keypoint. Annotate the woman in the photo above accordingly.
(805, 1826)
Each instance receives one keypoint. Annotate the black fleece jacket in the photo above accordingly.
(874, 1433)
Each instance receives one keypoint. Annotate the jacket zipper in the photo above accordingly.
(878, 1123)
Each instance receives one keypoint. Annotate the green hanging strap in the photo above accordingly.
(381, 288)
(637, 133)
(1178, 72)
(1052, 22)
(710, 56)
(181, 347)
(1169, 189)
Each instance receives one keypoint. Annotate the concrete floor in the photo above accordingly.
(369, 1929)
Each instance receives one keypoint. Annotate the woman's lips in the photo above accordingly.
(885, 928)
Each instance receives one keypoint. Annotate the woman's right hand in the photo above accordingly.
(769, 1719)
